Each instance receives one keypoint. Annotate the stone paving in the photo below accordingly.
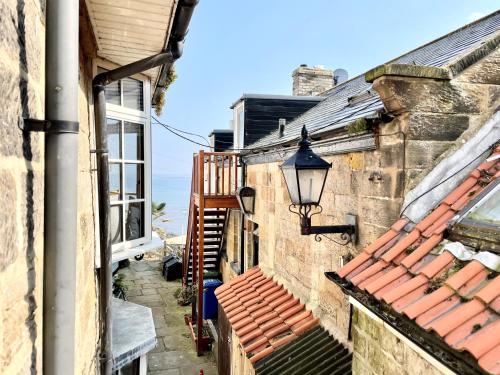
(174, 353)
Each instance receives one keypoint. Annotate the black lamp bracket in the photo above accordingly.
(347, 231)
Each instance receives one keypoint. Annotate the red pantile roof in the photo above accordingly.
(459, 301)
(263, 313)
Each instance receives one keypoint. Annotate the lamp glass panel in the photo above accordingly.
(247, 203)
(311, 184)
(291, 183)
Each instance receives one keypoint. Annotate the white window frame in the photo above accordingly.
(239, 128)
(143, 117)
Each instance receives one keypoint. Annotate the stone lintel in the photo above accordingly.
(407, 70)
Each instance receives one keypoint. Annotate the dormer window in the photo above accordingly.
(478, 225)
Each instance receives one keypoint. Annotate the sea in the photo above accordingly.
(174, 191)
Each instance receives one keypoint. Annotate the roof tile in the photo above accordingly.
(405, 288)
(257, 308)
(483, 340)
(461, 190)
(402, 245)
(490, 361)
(490, 291)
(464, 275)
(458, 300)
(422, 250)
(448, 322)
(428, 302)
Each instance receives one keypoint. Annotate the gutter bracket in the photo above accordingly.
(50, 126)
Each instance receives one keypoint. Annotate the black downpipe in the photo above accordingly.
(173, 51)
(242, 227)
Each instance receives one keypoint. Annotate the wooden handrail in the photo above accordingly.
(209, 179)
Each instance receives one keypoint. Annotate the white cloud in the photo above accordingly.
(475, 16)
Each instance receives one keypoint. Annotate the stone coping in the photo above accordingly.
(133, 332)
(407, 70)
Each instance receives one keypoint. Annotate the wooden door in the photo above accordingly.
(224, 344)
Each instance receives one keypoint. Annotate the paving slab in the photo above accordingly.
(174, 353)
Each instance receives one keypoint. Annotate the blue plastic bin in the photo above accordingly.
(209, 299)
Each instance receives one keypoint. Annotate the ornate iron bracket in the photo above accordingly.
(347, 232)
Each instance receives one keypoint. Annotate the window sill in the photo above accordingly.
(155, 244)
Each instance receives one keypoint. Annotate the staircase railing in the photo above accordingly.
(214, 178)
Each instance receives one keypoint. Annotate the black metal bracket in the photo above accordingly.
(50, 126)
(348, 231)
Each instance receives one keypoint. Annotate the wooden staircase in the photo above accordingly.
(213, 191)
(213, 229)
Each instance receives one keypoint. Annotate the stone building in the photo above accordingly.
(39, 332)
(383, 132)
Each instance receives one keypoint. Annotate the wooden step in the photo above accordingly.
(214, 220)
(212, 235)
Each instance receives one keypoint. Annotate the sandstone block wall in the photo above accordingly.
(22, 47)
(22, 40)
(378, 351)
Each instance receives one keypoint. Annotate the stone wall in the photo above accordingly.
(22, 38)
(22, 47)
(311, 81)
(377, 350)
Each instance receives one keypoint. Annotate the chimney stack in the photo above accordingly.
(311, 81)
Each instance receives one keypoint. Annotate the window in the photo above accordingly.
(128, 126)
(479, 222)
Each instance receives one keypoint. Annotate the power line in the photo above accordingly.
(180, 130)
(443, 181)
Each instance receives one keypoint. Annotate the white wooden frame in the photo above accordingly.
(143, 117)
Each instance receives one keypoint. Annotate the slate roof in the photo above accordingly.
(264, 315)
(313, 353)
(408, 270)
(335, 112)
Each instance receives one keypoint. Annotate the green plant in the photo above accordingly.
(357, 126)
(186, 295)
(157, 209)
(177, 293)
(475, 328)
(410, 249)
(160, 99)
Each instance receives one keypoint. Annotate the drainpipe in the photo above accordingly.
(61, 182)
(173, 51)
(242, 227)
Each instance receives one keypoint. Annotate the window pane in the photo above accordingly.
(115, 176)
(112, 92)
(134, 186)
(134, 225)
(488, 210)
(134, 140)
(114, 144)
(116, 224)
(133, 94)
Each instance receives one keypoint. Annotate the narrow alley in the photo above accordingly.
(174, 353)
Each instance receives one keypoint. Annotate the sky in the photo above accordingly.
(235, 47)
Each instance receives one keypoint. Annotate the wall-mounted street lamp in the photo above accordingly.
(305, 176)
(246, 199)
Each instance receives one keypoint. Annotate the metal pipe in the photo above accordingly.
(166, 58)
(242, 227)
(61, 184)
